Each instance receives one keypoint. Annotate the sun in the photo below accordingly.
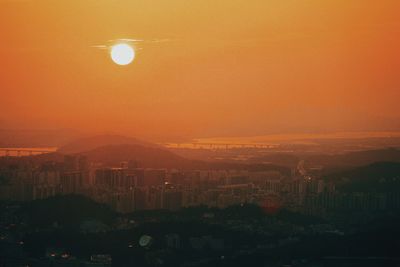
(122, 54)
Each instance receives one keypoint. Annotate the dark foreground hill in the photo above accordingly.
(68, 210)
(358, 158)
(376, 177)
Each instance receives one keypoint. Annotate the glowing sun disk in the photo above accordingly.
(122, 54)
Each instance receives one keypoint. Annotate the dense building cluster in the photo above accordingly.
(129, 187)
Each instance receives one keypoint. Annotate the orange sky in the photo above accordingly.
(205, 68)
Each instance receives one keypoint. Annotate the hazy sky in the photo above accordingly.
(204, 67)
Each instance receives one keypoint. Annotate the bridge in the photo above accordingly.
(217, 145)
(18, 152)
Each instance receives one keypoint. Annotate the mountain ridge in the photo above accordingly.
(89, 143)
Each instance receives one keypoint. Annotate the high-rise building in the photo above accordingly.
(172, 199)
(112, 178)
(148, 177)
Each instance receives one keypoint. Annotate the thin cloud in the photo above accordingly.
(159, 40)
(99, 46)
(135, 42)
(128, 40)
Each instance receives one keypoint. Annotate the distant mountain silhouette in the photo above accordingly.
(147, 156)
(375, 177)
(154, 157)
(90, 143)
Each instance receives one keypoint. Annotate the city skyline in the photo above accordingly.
(199, 133)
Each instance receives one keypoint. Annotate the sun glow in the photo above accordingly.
(122, 54)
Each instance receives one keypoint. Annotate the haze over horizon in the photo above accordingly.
(202, 69)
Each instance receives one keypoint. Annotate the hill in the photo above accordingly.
(358, 158)
(90, 143)
(68, 210)
(376, 177)
(148, 157)
(154, 157)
